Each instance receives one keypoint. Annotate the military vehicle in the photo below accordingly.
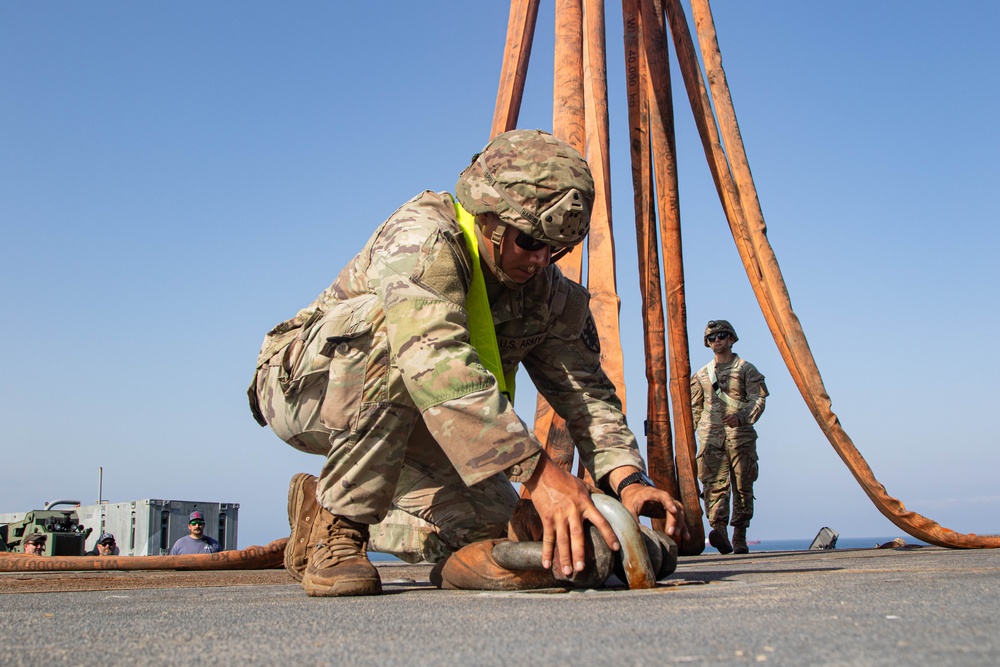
(65, 535)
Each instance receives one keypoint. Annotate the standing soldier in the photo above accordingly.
(401, 374)
(727, 397)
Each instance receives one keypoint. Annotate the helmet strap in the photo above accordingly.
(491, 252)
(559, 254)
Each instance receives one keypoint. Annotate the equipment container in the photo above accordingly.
(150, 527)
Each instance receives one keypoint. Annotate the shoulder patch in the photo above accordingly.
(568, 309)
(442, 269)
(589, 335)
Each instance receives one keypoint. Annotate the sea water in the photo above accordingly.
(771, 545)
(842, 543)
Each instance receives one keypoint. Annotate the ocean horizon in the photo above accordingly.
(843, 542)
(796, 544)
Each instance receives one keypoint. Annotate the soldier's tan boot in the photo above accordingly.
(473, 567)
(338, 564)
(740, 541)
(303, 508)
(719, 538)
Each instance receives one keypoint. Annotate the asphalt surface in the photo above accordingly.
(839, 607)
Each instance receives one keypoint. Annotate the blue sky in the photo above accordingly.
(176, 178)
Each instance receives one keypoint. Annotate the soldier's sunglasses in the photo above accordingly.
(722, 335)
(196, 523)
(531, 244)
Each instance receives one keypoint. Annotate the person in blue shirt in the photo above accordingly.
(196, 541)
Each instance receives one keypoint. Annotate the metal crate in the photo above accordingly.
(150, 527)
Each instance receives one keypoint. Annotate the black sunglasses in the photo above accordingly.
(531, 244)
(722, 335)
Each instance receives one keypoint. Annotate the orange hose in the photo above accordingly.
(568, 124)
(664, 156)
(516, 53)
(659, 445)
(252, 558)
(605, 305)
(739, 197)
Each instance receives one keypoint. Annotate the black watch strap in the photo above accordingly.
(634, 478)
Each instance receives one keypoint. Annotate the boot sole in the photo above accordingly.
(341, 588)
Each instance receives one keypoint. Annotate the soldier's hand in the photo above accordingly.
(731, 421)
(656, 503)
(563, 503)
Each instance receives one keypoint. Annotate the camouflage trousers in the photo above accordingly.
(728, 468)
(382, 466)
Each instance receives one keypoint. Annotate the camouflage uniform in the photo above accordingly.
(378, 376)
(728, 455)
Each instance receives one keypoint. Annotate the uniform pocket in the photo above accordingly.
(346, 354)
(308, 360)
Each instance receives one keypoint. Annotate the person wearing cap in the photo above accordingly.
(401, 375)
(727, 398)
(34, 544)
(196, 541)
(106, 546)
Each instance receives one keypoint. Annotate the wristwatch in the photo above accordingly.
(634, 478)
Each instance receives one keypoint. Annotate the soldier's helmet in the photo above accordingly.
(715, 326)
(535, 183)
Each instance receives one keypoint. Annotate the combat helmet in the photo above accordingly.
(535, 183)
(715, 326)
